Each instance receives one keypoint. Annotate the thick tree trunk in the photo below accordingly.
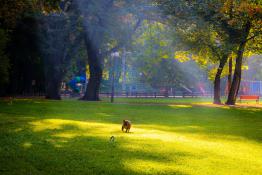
(53, 80)
(53, 77)
(231, 100)
(217, 94)
(53, 89)
(232, 96)
(95, 67)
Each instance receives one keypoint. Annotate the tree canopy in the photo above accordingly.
(46, 42)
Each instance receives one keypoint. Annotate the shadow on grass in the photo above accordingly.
(178, 117)
(75, 147)
(176, 142)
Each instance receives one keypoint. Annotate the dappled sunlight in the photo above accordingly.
(103, 114)
(18, 129)
(167, 149)
(182, 139)
(186, 158)
(190, 128)
(180, 166)
(51, 124)
(71, 129)
(147, 166)
(246, 106)
(180, 106)
(27, 145)
(210, 104)
(68, 135)
(194, 146)
(130, 87)
(250, 107)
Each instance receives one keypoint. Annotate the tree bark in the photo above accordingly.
(53, 88)
(53, 77)
(217, 80)
(95, 67)
(232, 96)
(229, 77)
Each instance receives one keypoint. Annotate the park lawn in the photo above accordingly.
(72, 137)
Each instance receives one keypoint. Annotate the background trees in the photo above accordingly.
(20, 57)
(42, 40)
(231, 21)
(157, 60)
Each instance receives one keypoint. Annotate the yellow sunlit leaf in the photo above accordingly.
(182, 56)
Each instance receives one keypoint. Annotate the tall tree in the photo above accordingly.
(104, 32)
(246, 21)
(196, 35)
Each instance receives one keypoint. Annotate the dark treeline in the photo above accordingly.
(35, 49)
(26, 66)
(22, 66)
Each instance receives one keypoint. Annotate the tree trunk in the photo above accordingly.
(53, 78)
(232, 96)
(229, 77)
(95, 67)
(220, 68)
(53, 89)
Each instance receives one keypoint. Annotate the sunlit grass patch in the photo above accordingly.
(73, 137)
(27, 145)
(180, 106)
(164, 148)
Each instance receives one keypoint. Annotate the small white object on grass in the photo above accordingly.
(112, 139)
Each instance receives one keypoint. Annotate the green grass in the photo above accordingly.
(158, 100)
(173, 137)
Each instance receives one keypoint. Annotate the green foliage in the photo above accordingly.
(155, 58)
(12, 11)
(210, 29)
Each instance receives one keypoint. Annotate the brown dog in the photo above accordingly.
(126, 125)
